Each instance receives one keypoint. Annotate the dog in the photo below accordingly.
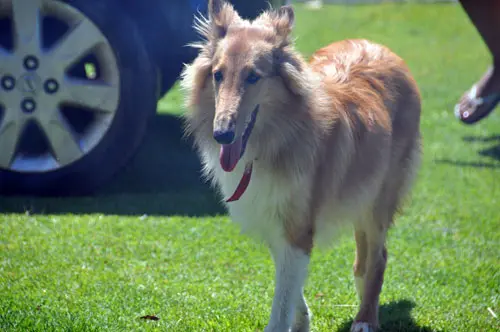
(298, 149)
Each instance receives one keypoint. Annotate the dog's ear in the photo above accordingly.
(283, 21)
(221, 15)
(293, 78)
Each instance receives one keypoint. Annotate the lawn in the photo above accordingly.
(156, 242)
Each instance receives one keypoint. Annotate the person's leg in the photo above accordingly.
(481, 99)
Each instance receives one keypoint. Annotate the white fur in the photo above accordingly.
(258, 210)
(361, 327)
(258, 214)
(291, 272)
(302, 315)
(360, 286)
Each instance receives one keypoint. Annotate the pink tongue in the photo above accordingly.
(230, 155)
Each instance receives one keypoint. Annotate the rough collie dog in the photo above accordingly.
(298, 149)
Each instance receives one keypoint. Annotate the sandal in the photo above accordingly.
(467, 109)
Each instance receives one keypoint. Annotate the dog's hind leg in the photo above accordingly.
(291, 264)
(375, 259)
(401, 174)
(359, 267)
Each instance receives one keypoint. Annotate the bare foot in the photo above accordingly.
(481, 99)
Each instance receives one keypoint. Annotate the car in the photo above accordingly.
(79, 84)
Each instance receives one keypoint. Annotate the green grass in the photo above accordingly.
(156, 242)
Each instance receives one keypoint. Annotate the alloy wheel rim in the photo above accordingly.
(56, 68)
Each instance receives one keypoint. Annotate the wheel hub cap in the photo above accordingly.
(46, 89)
(29, 83)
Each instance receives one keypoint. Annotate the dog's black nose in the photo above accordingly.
(224, 136)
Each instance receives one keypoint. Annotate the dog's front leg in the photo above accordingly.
(291, 264)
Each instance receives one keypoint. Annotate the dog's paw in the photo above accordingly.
(276, 329)
(302, 327)
(302, 322)
(361, 327)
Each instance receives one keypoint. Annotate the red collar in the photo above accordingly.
(242, 186)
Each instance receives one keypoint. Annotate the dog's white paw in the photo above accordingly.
(361, 327)
(301, 327)
(302, 321)
(276, 329)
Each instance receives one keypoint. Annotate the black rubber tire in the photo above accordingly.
(138, 99)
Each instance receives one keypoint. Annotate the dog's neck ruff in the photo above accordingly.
(242, 186)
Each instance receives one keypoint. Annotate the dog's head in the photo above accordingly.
(241, 58)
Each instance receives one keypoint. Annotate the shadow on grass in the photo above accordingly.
(482, 139)
(492, 152)
(162, 179)
(395, 317)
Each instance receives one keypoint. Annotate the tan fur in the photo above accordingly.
(340, 134)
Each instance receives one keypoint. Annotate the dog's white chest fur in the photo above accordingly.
(262, 210)
(258, 209)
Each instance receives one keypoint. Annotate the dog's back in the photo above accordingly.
(370, 159)
(377, 137)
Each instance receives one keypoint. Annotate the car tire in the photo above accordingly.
(137, 100)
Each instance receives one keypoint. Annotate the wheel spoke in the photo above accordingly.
(61, 139)
(92, 95)
(26, 17)
(10, 134)
(75, 44)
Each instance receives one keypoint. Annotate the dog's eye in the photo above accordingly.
(218, 76)
(253, 77)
